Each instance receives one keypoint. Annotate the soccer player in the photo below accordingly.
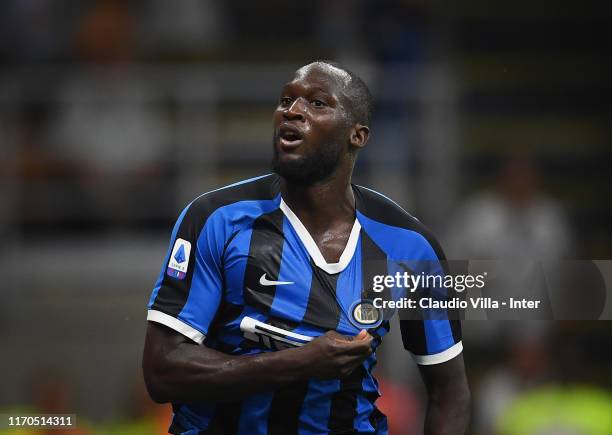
(259, 322)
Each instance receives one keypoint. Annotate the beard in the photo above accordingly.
(309, 169)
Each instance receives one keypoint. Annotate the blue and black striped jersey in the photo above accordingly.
(243, 276)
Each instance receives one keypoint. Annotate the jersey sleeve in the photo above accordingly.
(431, 336)
(189, 288)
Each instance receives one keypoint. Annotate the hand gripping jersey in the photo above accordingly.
(243, 276)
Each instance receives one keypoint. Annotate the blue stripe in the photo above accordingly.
(364, 409)
(178, 224)
(254, 414)
(364, 406)
(235, 266)
(383, 428)
(206, 284)
(317, 406)
(309, 330)
(397, 243)
(413, 249)
(438, 335)
(194, 416)
(290, 300)
(242, 214)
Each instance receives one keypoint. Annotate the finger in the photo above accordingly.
(337, 336)
(344, 339)
(361, 347)
(363, 338)
(363, 334)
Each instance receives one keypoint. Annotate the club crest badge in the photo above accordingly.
(179, 259)
(363, 314)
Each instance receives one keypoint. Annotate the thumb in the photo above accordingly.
(362, 335)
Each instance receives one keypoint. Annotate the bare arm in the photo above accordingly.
(179, 370)
(449, 403)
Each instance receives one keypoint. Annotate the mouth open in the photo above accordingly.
(290, 137)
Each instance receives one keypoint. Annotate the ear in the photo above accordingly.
(359, 135)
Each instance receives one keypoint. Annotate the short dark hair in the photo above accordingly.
(358, 93)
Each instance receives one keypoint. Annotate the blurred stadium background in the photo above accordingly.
(492, 125)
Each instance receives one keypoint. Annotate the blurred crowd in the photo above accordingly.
(88, 124)
(103, 134)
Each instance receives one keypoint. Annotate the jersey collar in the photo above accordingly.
(313, 249)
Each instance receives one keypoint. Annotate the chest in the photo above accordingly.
(331, 242)
(270, 268)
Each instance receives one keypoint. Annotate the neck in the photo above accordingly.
(324, 202)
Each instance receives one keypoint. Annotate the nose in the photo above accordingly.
(295, 110)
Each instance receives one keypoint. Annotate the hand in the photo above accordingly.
(334, 355)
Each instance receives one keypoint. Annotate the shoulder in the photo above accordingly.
(382, 212)
(252, 196)
(261, 188)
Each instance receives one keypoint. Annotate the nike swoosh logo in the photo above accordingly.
(265, 281)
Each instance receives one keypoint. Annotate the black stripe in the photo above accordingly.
(371, 397)
(247, 345)
(225, 420)
(284, 413)
(456, 330)
(226, 313)
(265, 254)
(227, 348)
(412, 327)
(286, 324)
(227, 243)
(173, 293)
(456, 314)
(343, 409)
(411, 322)
(376, 417)
(322, 309)
(373, 263)
(175, 427)
(381, 209)
(378, 332)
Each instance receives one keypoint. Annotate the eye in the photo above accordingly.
(285, 101)
(318, 103)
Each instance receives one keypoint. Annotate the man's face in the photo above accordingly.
(311, 125)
